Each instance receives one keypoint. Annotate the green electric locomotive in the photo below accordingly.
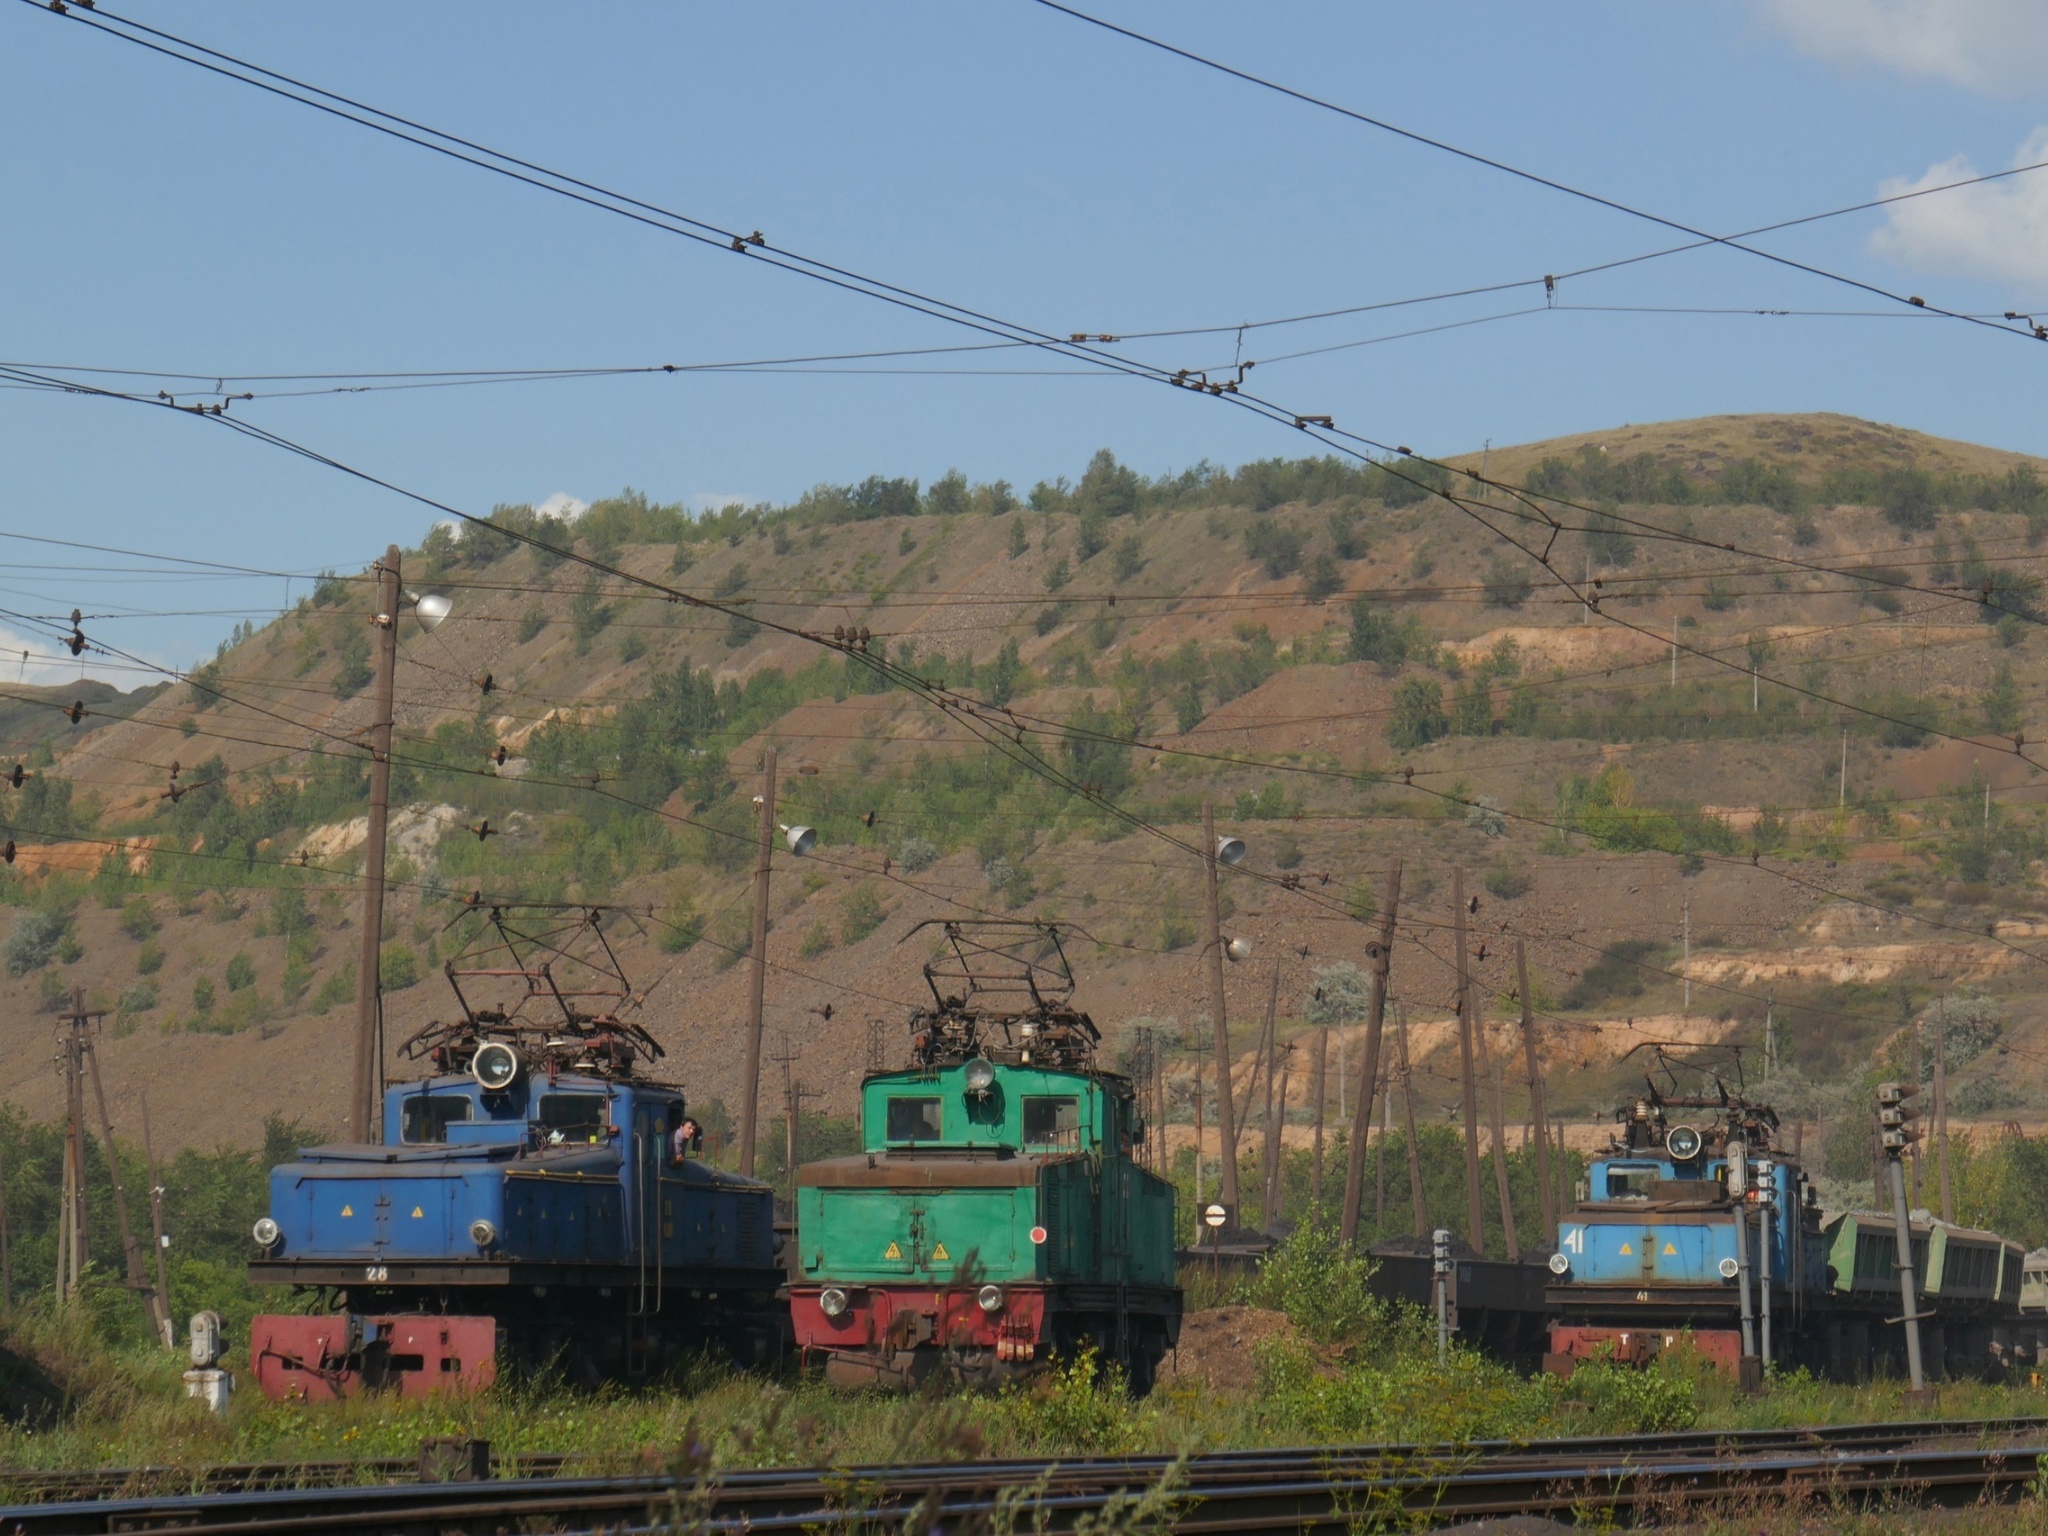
(996, 1218)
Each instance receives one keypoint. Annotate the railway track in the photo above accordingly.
(1330, 1488)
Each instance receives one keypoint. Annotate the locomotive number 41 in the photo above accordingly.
(1574, 1239)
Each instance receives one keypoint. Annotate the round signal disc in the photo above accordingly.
(1038, 1234)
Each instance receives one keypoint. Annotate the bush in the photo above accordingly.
(1508, 583)
(1176, 928)
(241, 971)
(1626, 1400)
(1342, 994)
(397, 968)
(150, 958)
(203, 994)
(138, 918)
(1618, 973)
(531, 622)
(35, 940)
(916, 854)
(139, 998)
(336, 989)
(816, 940)
(1510, 881)
(1323, 1287)
(861, 913)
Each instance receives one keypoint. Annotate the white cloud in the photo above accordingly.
(1997, 230)
(1985, 45)
(562, 505)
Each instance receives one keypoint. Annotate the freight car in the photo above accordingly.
(997, 1217)
(531, 1204)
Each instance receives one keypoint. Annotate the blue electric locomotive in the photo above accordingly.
(1699, 1228)
(531, 1204)
(1697, 1225)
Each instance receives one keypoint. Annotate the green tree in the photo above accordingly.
(1001, 676)
(588, 615)
(1378, 637)
(352, 672)
(1107, 488)
(861, 913)
(1020, 541)
(241, 971)
(947, 496)
(1129, 557)
(1508, 584)
(2002, 703)
(1418, 717)
(531, 622)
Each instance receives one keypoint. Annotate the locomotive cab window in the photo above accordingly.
(1630, 1183)
(1051, 1122)
(577, 1116)
(428, 1116)
(914, 1119)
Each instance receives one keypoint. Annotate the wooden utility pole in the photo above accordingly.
(1226, 1122)
(1382, 957)
(1276, 1146)
(1196, 1049)
(1475, 1210)
(1489, 1071)
(1948, 1199)
(1415, 1198)
(757, 972)
(786, 1057)
(6, 1244)
(156, 1223)
(131, 1251)
(1385, 1091)
(1539, 1114)
(369, 1052)
(1319, 1091)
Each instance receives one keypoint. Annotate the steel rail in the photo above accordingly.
(29, 1485)
(1250, 1488)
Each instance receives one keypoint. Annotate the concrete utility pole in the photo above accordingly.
(1226, 1120)
(156, 1224)
(1895, 1116)
(757, 970)
(1269, 1046)
(1381, 954)
(369, 1057)
(1539, 1122)
(131, 1251)
(71, 1254)
(1490, 1072)
(1321, 1091)
(1417, 1203)
(1685, 922)
(1948, 1199)
(1475, 1210)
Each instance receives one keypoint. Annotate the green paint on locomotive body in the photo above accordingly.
(952, 1182)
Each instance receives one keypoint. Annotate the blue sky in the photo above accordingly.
(997, 154)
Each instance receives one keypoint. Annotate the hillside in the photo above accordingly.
(1350, 669)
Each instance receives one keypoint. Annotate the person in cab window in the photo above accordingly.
(682, 1140)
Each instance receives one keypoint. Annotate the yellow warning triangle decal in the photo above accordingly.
(1670, 1251)
(348, 1210)
(417, 1213)
(1626, 1249)
(940, 1253)
(893, 1253)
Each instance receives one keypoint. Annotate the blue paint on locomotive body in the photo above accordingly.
(573, 1171)
(1654, 1224)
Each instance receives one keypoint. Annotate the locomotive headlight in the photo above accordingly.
(981, 1075)
(482, 1232)
(832, 1301)
(1559, 1264)
(495, 1066)
(990, 1298)
(267, 1232)
(1729, 1269)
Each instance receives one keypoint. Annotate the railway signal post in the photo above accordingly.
(1896, 1132)
(1440, 1267)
